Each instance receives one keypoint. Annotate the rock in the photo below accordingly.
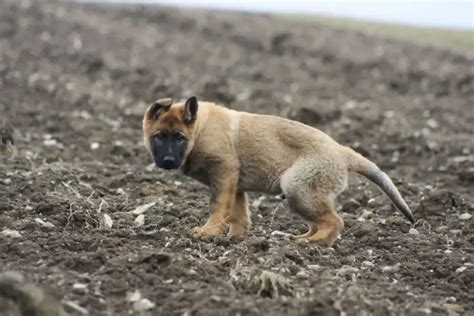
(461, 269)
(437, 202)
(107, 221)
(6, 136)
(465, 216)
(143, 304)
(394, 268)
(350, 206)
(363, 228)
(19, 297)
(6, 181)
(139, 221)
(414, 231)
(44, 224)
(143, 208)
(466, 175)
(11, 233)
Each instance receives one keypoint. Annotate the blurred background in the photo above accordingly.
(441, 13)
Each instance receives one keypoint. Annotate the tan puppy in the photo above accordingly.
(235, 152)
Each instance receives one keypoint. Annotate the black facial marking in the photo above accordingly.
(168, 148)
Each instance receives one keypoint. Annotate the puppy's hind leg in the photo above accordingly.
(239, 219)
(328, 225)
(312, 198)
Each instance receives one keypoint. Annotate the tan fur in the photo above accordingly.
(235, 152)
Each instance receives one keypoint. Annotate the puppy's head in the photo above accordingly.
(168, 131)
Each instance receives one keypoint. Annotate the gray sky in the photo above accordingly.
(447, 13)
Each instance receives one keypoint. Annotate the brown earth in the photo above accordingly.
(72, 76)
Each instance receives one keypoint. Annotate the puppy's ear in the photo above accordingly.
(160, 106)
(190, 110)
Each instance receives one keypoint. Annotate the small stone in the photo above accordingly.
(143, 305)
(139, 221)
(302, 274)
(134, 297)
(454, 307)
(432, 123)
(345, 269)
(6, 181)
(465, 216)
(314, 267)
(143, 208)
(150, 167)
(50, 142)
(461, 269)
(394, 268)
(350, 206)
(79, 288)
(414, 231)
(95, 146)
(107, 221)
(11, 233)
(280, 234)
(368, 263)
(44, 224)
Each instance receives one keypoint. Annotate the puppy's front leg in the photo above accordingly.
(223, 191)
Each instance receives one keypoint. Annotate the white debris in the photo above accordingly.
(368, 263)
(139, 221)
(314, 267)
(120, 191)
(143, 305)
(150, 167)
(50, 142)
(280, 233)
(178, 183)
(461, 269)
(347, 269)
(42, 223)
(107, 221)
(394, 268)
(143, 208)
(432, 123)
(302, 274)
(11, 233)
(465, 216)
(76, 307)
(414, 231)
(6, 181)
(79, 286)
(95, 146)
(134, 297)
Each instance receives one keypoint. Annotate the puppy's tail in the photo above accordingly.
(368, 169)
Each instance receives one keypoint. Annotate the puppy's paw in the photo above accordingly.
(206, 231)
(237, 229)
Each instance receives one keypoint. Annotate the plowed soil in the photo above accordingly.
(74, 82)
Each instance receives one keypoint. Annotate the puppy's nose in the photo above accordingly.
(168, 159)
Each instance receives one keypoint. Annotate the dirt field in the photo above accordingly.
(74, 82)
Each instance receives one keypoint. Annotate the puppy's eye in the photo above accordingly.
(180, 137)
(160, 135)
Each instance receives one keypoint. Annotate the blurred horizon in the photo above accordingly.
(455, 14)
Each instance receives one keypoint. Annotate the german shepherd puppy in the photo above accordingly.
(235, 152)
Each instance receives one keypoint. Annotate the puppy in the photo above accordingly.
(235, 152)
